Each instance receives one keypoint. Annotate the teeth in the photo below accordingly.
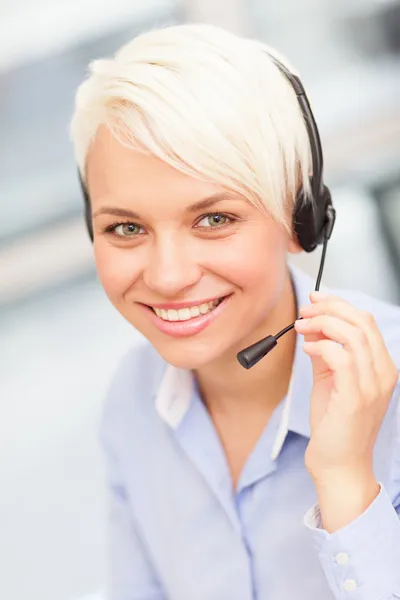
(184, 314)
(194, 311)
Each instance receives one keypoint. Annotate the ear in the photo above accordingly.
(293, 245)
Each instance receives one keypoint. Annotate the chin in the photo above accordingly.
(189, 358)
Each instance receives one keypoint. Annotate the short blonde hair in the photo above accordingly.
(209, 103)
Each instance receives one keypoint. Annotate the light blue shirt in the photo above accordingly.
(178, 531)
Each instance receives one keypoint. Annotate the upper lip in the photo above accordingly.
(185, 304)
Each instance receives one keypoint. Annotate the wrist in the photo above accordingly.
(344, 496)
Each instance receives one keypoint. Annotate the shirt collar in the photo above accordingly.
(174, 395)
(175, 392)
(298, 420)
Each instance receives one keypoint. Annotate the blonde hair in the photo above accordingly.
(207, 102)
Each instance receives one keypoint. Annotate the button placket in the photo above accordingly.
(349, 585)
(342, 558)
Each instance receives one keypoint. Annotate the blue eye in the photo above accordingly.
(215, 220)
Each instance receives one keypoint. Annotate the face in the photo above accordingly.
(196, 269)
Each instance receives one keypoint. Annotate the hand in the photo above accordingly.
(354, 380)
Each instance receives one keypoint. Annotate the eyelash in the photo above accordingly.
(111, 228)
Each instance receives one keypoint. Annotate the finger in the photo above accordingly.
(334, 306)
(353, 340)
(340, 362)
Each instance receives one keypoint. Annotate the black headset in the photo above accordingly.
(313, 220)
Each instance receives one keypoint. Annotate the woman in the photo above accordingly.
(276, 482)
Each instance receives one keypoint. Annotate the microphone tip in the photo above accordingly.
(251, 355)
(242, 358)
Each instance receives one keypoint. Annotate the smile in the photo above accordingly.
(188, 320)
(184, 314)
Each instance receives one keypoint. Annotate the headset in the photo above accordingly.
(313, 220)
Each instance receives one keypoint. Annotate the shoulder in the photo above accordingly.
(141, 366)
(130, 393)
(387, 450)
(386, 316)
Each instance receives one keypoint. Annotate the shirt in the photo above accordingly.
(177, 529)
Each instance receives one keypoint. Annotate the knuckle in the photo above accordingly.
(362, 337)
(368, 317)
(389, 380)
(347, 360)
(325, 329)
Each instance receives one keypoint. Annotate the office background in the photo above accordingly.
(60, 339)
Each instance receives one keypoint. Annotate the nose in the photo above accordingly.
(171, 267)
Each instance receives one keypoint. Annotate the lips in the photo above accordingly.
(187, 304)
(188, 312)
(187, 327)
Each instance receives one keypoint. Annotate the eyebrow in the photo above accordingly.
(197, 206)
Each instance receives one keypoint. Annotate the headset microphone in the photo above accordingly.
(251, 355)
(313, 221)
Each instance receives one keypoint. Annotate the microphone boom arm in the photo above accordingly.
(251, 355)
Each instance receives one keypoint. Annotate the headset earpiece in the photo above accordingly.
(310, 219)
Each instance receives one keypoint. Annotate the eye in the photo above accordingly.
(214, 220)
(126, 229)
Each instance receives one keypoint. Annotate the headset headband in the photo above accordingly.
(309, 220)
(312, 129)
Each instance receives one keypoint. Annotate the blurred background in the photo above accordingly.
(60, 340)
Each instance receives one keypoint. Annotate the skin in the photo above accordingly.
(180, 255)
(354, 381)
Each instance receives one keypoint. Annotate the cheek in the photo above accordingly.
(254, 261)
(117, 269)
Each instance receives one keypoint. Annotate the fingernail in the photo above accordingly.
(301, 322)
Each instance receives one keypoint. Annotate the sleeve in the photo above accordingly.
(362, 560)
(130, 575)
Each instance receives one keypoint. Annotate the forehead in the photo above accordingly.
(122, 175)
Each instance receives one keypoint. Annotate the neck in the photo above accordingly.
(225, 384)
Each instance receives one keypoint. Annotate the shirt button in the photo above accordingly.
(342, 558)
(349, 585)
